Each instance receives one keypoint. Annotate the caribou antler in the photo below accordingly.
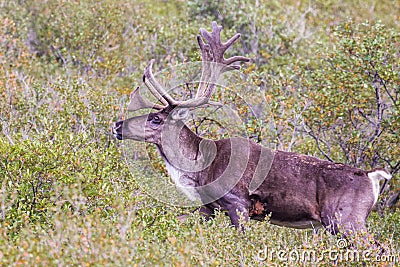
(213, 64)
(213, 61)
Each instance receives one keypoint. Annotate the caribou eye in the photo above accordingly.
(156, 119)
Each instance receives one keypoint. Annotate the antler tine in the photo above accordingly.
(155, 87)
(233, 39)
(205, 49)
(233, 59)
(230, 42)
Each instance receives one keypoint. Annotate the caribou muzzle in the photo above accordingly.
(117, 130)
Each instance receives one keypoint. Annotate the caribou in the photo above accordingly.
(238, 176)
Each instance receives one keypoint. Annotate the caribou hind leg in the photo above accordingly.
(351, 225)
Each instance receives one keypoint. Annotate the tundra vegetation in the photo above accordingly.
(327, 71)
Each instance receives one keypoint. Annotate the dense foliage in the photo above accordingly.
(324, 80)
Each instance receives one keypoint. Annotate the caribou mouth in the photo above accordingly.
(117, 130)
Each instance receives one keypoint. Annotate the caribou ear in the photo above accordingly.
(180, 114)
(138, 102)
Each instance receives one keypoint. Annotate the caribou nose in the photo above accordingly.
(117, 130)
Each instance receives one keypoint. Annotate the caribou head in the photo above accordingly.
(148, 128)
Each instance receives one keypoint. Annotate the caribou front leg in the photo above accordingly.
(237, 208)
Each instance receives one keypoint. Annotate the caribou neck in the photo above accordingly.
(188, 146)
